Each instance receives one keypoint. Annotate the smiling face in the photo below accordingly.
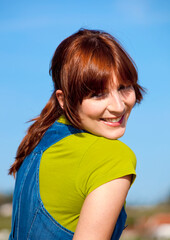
(106, 114)
(87, 62)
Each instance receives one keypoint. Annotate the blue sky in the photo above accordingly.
(29, 33)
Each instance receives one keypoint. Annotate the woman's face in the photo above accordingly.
(106, 114)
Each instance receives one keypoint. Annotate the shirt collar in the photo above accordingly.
(63, 119)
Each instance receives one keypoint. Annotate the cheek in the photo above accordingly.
(131, 100)
(85, 109)
(90, 109)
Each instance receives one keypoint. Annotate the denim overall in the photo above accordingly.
(30, 220)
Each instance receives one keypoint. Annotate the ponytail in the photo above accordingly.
(51, 112)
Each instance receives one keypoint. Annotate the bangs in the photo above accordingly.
(89, 69)
(96, 65)
(96, 72)
(125, 69)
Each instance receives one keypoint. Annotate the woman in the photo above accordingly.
(73, 175)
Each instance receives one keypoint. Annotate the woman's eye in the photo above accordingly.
(98, 95)
(123, 87)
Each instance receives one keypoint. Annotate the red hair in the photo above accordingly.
(82, 64)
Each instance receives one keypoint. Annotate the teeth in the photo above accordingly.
(112, 119)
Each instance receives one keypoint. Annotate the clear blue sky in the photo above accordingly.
(29, 33)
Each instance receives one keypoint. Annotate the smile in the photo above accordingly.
(113, 120)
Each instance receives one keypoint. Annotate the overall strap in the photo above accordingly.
(54, 134)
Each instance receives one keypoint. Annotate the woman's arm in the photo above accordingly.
(101, 209)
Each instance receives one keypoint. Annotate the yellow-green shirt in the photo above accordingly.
(76, 165)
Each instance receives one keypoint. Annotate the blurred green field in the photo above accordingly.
(5, 219)
(5, 223)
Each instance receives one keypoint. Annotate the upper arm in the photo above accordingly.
(101, 209)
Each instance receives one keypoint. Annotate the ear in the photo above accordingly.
(60, 98)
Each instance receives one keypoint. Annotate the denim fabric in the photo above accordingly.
(30, 220)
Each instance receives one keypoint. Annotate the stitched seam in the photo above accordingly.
(32, 224)
(37, 178)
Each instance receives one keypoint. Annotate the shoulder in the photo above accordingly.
(95, 147)
(102, 147)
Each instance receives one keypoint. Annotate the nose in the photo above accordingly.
(116, 103)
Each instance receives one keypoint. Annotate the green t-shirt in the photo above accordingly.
(76, 165)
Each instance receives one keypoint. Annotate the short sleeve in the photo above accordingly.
(104, 161)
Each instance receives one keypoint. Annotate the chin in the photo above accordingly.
(115, 136)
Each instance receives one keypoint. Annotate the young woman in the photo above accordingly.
(73, 175)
